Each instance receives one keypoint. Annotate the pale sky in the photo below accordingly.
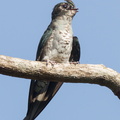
(97, 25)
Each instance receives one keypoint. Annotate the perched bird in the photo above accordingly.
(57, 44)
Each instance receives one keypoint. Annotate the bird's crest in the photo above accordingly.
(70, 2)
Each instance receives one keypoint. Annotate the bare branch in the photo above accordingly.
(74, 73)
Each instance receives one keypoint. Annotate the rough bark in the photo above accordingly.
(74, 73)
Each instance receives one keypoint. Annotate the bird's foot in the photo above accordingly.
(77, 62)
(51, 62)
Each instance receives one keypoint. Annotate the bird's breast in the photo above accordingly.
(59, 47)
(62, 45)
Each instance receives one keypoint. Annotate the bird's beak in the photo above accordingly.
(76, 9)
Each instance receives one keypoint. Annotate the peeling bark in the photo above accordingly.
(74, 73)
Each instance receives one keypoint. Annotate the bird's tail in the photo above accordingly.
(26, 118)
(36, 108)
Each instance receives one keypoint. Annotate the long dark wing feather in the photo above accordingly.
(42, 43)
(75, 53)
(48, 89)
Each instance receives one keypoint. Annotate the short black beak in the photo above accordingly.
(76, 9)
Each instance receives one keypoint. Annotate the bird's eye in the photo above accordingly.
(71, 7)
(65, 6)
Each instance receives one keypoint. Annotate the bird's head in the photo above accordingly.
(64, 9)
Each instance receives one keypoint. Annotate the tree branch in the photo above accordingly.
(74, 73)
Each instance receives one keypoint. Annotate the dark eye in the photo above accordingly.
(65, 6)
(71, 7)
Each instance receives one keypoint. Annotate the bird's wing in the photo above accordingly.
(75, 53)
(41, 92)
(43, 42)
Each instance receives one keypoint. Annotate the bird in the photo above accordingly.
(56, 45)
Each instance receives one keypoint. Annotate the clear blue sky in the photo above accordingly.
(97, 24)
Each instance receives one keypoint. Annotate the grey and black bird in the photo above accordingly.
(57, 44)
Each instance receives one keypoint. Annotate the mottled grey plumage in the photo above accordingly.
(57, 44)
